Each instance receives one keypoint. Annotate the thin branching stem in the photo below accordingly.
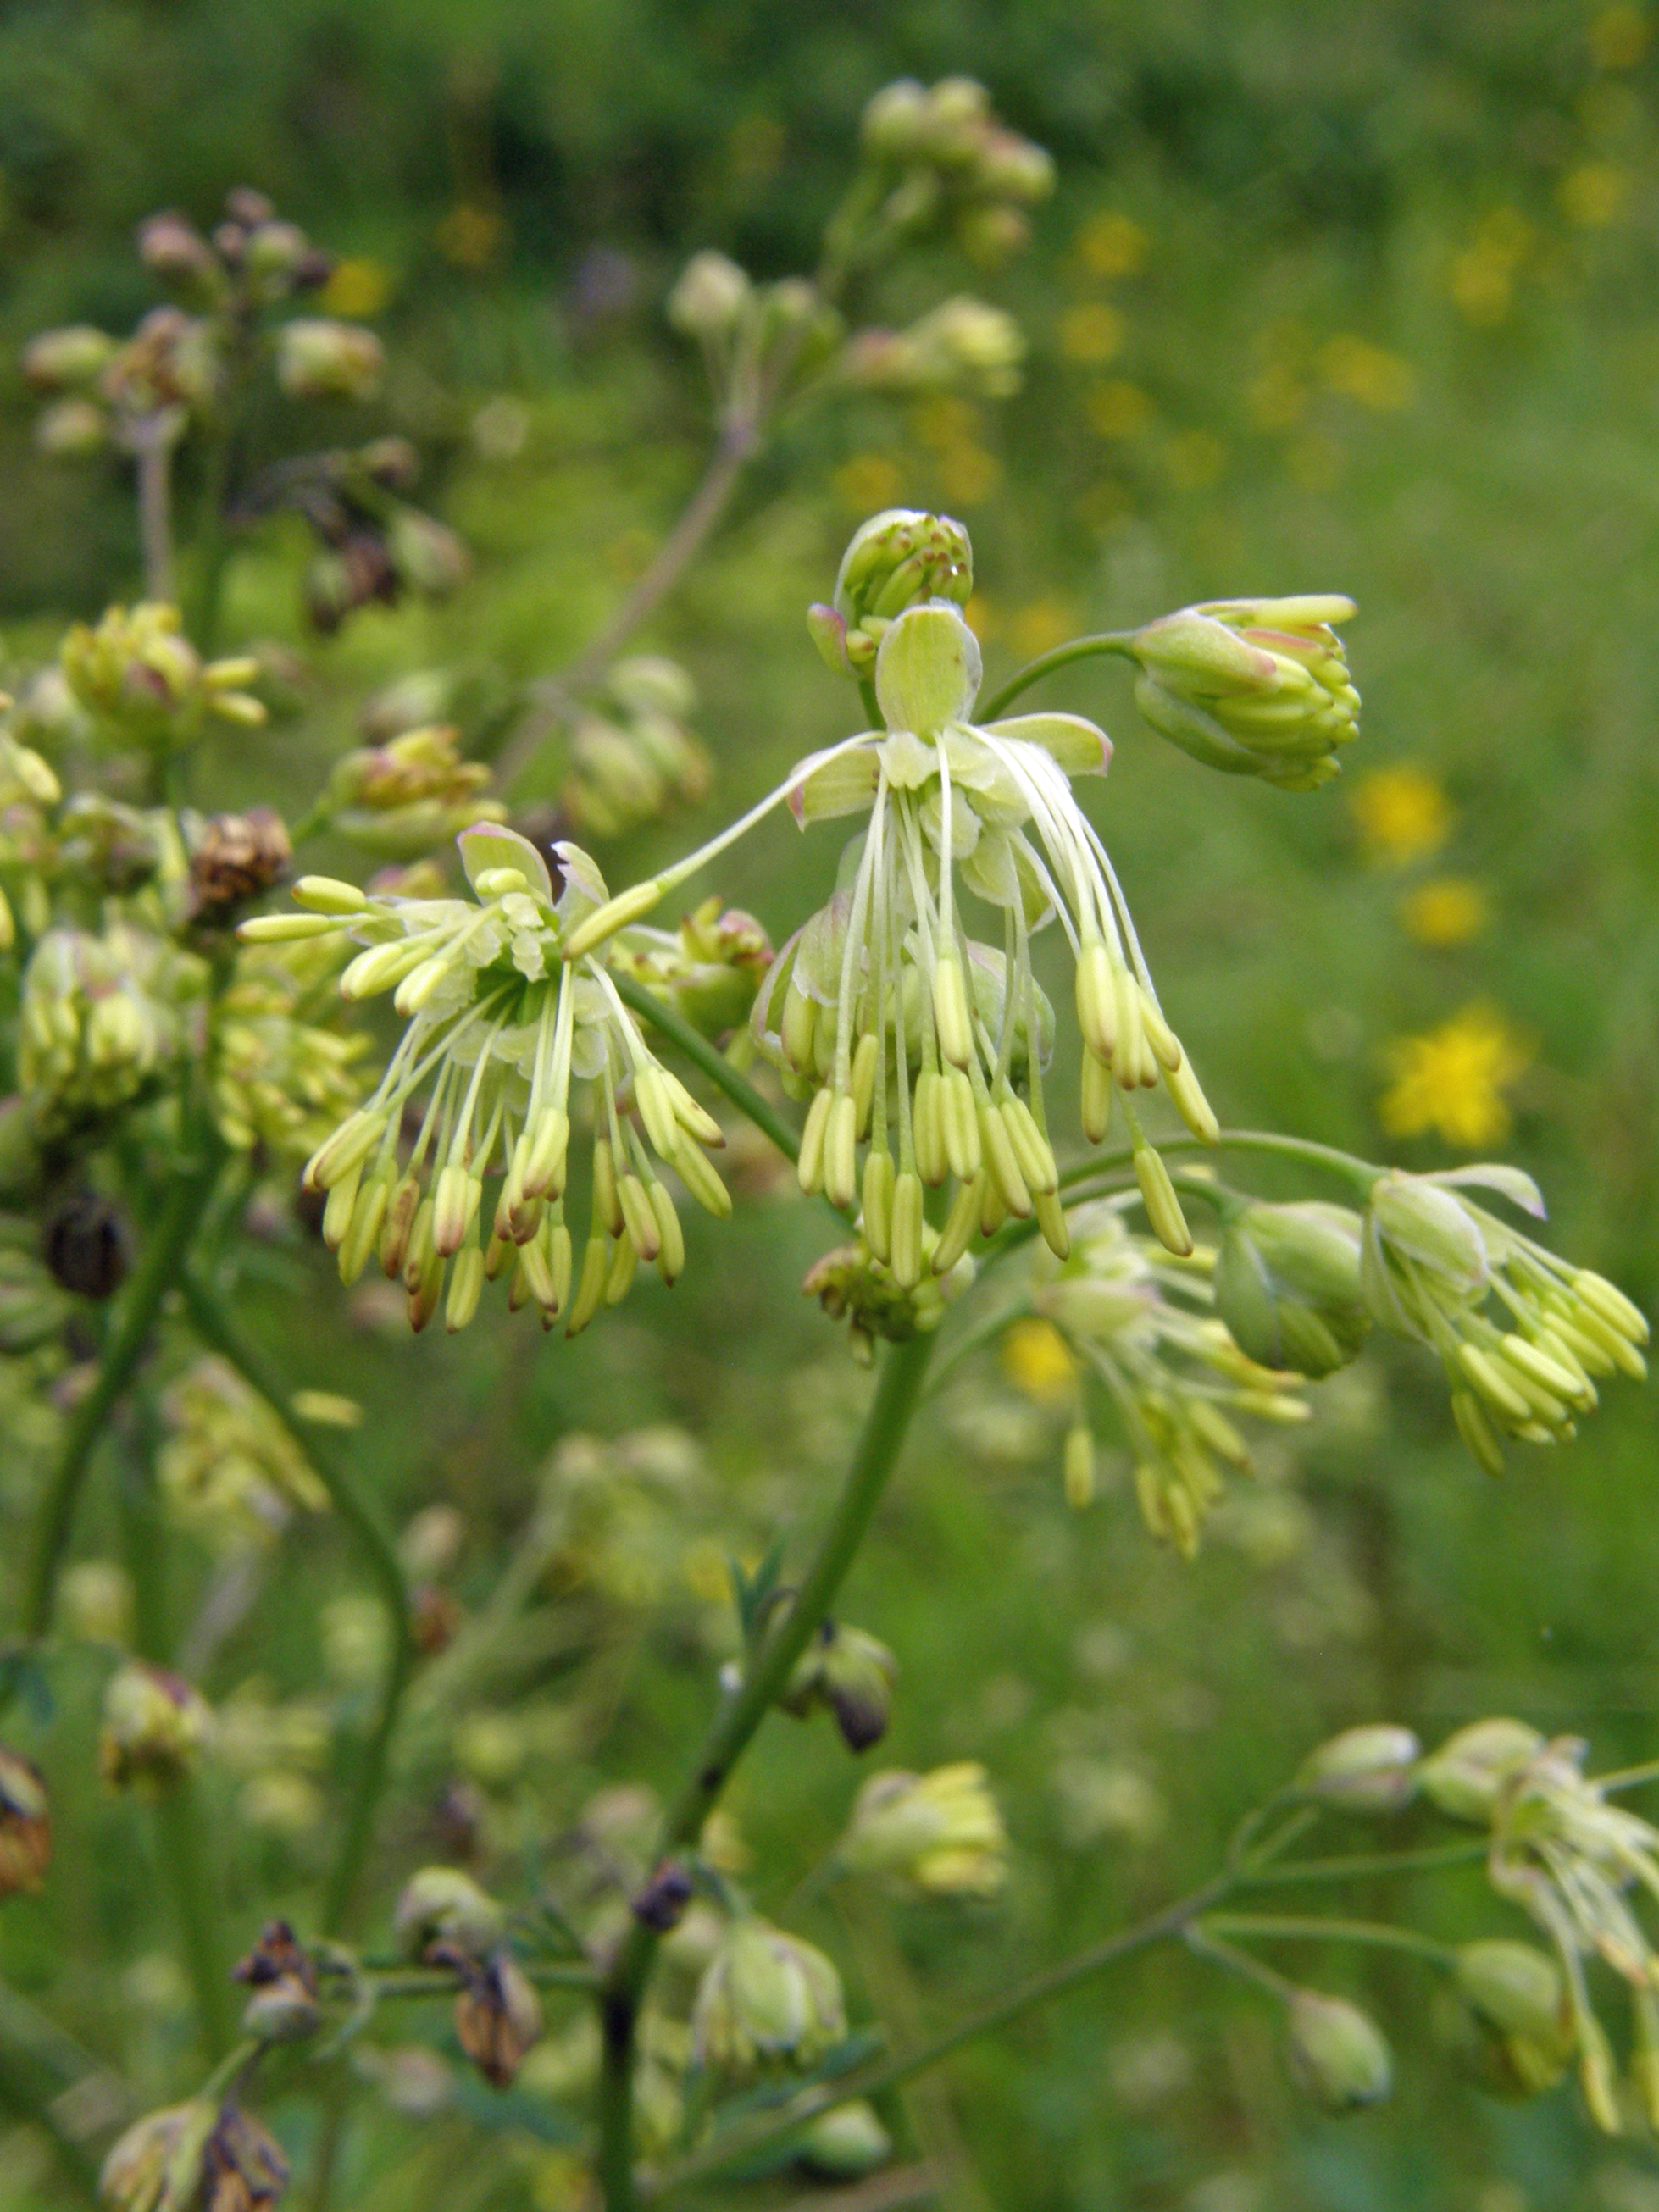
(1316, 1928)
(1060, 656)
(898, 1387)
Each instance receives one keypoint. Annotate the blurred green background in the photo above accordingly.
(1357, 298)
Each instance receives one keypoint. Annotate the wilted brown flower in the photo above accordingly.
(25, 1824)
(237, 856)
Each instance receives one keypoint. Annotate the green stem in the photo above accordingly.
(190, 1872)
(434, 1981)
(898, 1388)
(1317, 1929)
(1362, 1865)
(713, 1062)
(38, 2062)
(1061, 656)
(1359, 1173)
(880, 2073)
(155, 1274)
(186, 1865)
(212, 546)
(214, 1324)
(1627, 1778)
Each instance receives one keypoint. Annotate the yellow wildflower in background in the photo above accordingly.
(1036, 1359)
(1447, 911)
(1041, 626)
(1091, 332)
(1595, 194)
(1111, 244)
(1452, 1080)
(1483, 274)
(1116, 409)
(471, 236)
(358, 287)
(1619, 36)
(1403, 814)
(1194, 458)
(968, 475)
(1366, 373)
(867, 483)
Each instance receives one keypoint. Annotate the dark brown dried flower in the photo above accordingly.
(237, 856)
(498, 2014)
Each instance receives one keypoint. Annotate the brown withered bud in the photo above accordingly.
(392, 463)
(434, 1616)
(313, 270)
(498, 2014)
(243, 2168)
(24, 1824)
(236, 858)
(661, 1904)
(85, 1246)
(171, 247)
(276, 1954)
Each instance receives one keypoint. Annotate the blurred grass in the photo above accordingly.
(1371, 344)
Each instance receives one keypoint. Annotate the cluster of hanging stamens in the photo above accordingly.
(501, 1024)
(924, 1045)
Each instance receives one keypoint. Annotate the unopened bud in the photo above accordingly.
(1336, 2052)
(25, 1824)
(1363, 1769)
(709, 296)
(155, 1726)
(319, 359)
(1465, 1778)
(1287, 1285)
(443, 1904)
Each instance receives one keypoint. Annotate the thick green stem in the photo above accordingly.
(742, 2142)
(214, 1324)
(158, 1270)
(898, 1388)
(713, 1062)
(1061, 656)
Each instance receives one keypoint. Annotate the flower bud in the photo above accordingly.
(708, 296)
(71, 430)
(962, 346)
(1363, 1769)
(1433, 1228)
(172, 249)
(1336, 2053)
(1253, 686)
(441, 1904)
(157, 2165)
(155, 1726)
(67, 360)
(850, 1673)
(319, 359)
(895, 121)
(845, 2143)
(1287, 1285)
(940, 1831)
(1519, 2004)
(897, 559)
(766, 1997)
(1465, 1778)
(25, 1824)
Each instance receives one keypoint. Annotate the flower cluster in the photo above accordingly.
(502, 1020)
(155, 1727)
(767, 1999)
(939, 1833)
(144, 683)
(929, 1045)
(1520, 1332)
(708, 970)
(373, 545)
(631, 756)
(939, 153)
(214, 2156)
(281, 1079)
(1255, 686)
(1569, 1859)
(104, 1018)
(851, 1284)
(962, 346)
(402, 797)
(1144, 1328)
(228, 1465)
